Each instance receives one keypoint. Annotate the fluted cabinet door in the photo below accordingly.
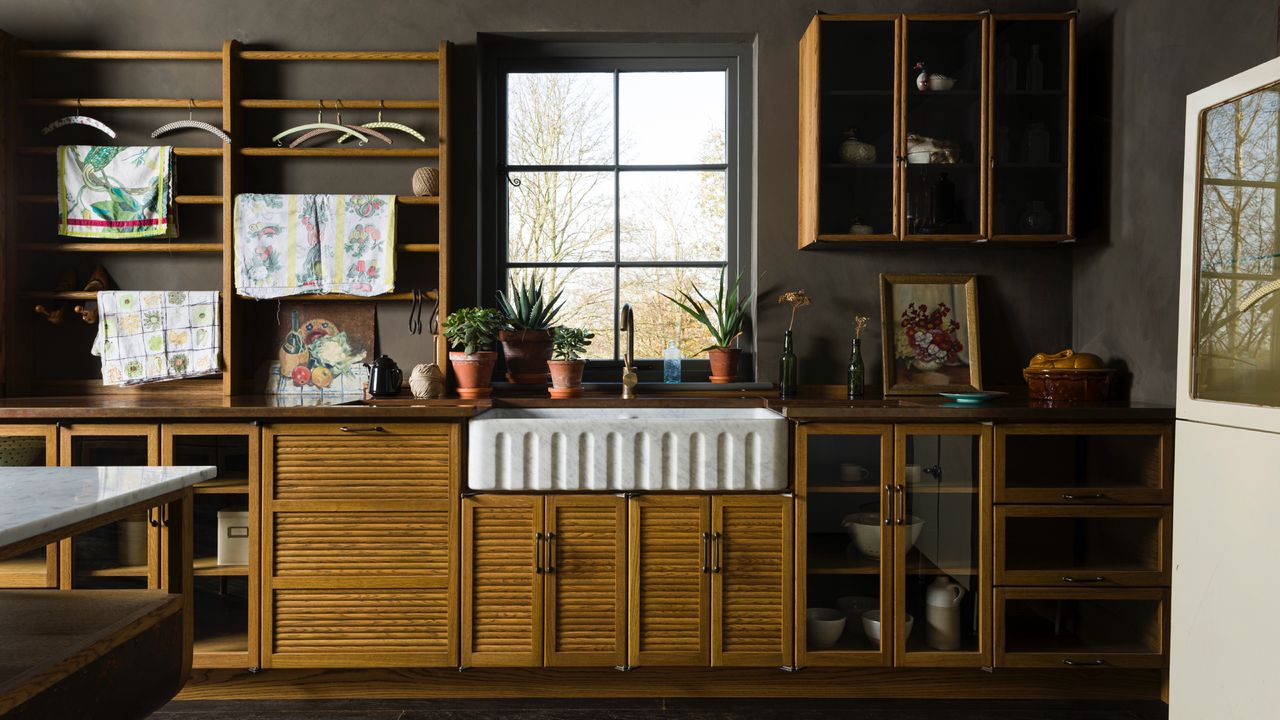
(502, 581)
(360, 570)
(585, 577)
(751, 581)
(670, 581)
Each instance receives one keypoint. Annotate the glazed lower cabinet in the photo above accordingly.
(544, 580)
(711, 581)
(360, 565)
(599, 580)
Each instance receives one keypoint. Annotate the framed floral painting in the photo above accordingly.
(930, 334)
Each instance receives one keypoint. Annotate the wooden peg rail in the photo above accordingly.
(292, 104)
(183, 103)
(120, 54)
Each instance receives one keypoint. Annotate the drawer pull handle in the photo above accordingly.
(901, 509)
(1083, 496)
(537, 553)
(1083, 663)
(1094, 579)
(349, 429)
(888, 493)
(551, 554)
(715, 545)
(706, 552)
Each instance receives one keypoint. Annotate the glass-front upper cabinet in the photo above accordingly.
(942, 545)
(1235, 353)
(848, 147)
(943, 100)
(1031, 141)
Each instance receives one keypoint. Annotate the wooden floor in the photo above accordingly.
(669, 709)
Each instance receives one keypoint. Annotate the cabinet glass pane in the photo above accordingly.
(1068, 626)
(856, 144)
(944, 127)
(939, 553)
(1085, 462)
(1082, 544)
(843, 537)
(1031, 118)
(1236, 357)
(28, 569)
(115, 555)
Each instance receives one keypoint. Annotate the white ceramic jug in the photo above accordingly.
(942, 614)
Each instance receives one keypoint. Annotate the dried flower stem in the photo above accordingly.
(796, 299)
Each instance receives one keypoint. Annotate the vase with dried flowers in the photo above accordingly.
(788, 365)
(857, 378)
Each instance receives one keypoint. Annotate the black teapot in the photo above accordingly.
(384, 377)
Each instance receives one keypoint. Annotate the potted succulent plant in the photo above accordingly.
(723, 316)
(567, 364)
(472, 330)
(529, 319)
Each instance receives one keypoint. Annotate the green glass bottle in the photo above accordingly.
(857, 371)
(788, 369)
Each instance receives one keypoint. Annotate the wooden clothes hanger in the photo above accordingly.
(78, 119)
(346, 130)
(380, 123)
(191, 123)
(319, 124)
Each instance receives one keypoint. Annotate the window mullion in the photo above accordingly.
(617, 222)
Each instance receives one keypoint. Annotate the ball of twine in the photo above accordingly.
(426, 181)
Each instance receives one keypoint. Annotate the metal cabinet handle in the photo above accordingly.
(349, 429)
(1094, 579)
(153, 517)
(1083, 496)
(706, 552)
(902, 504)
(1083, 663)
(888, 494)
(537, 553)
(715, 546)
(551, 554)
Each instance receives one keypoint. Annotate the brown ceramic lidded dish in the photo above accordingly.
(1067, 377)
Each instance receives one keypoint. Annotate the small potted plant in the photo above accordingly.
(529, 319)
(472, 330)
(567, 364)
(723, 317)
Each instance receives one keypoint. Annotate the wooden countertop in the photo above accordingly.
(815, 409)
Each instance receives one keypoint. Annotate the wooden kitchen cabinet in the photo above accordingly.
(1082, 627)
(360, 565)
(36, 446)
(1084, 464)
(1074, 546)
(711, 580)
(544, 581)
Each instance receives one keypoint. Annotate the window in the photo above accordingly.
(619, 176)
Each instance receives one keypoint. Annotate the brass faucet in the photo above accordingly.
(627, 324)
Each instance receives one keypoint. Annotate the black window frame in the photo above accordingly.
(500, 55)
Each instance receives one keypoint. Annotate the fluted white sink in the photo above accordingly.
(567, 449)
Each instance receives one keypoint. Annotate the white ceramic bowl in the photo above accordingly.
(871, 625)
(853, 607)
(864, 530)
(825, 626)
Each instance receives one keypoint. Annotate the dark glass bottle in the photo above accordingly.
(857, 371)
(788, 369)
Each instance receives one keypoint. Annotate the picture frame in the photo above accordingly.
(943, 353)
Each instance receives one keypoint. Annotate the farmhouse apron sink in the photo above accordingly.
(651, 449)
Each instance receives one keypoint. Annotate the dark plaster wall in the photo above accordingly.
(1139, 59)
(1024, 292)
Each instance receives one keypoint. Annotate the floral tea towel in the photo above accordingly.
(152, 335)
(300, 244)
(116, 192)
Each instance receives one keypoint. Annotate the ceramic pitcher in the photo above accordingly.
(942, 614)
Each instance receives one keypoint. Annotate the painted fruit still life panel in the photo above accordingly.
(321, 349)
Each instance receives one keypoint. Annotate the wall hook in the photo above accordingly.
(54, 316)
(87, 314)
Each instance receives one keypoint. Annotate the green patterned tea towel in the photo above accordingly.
(116, 192)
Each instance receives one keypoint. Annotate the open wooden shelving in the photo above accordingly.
(21, 246)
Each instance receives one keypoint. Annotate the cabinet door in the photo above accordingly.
(502, 581)
(124, 554)
(1082, 627)
(360, 571)
(585, 575)
(669, 613)
(942, 545)
(30, 445)
(751, 581)
(1056, 546)
(1084, 464)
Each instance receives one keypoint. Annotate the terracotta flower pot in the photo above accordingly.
(724, 364)
(527, 353)
(474, 373)
(566, 377)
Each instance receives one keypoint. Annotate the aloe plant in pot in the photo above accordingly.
(472, 330)
(567, 364)
(723, 316)
(529, 319)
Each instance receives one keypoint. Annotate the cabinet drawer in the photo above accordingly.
(361, 544)
(1095, 546)
(1081, 628)
(1084, 464)
(360, 627)
(369, 462)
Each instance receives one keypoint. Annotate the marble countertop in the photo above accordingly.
(36, 500)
